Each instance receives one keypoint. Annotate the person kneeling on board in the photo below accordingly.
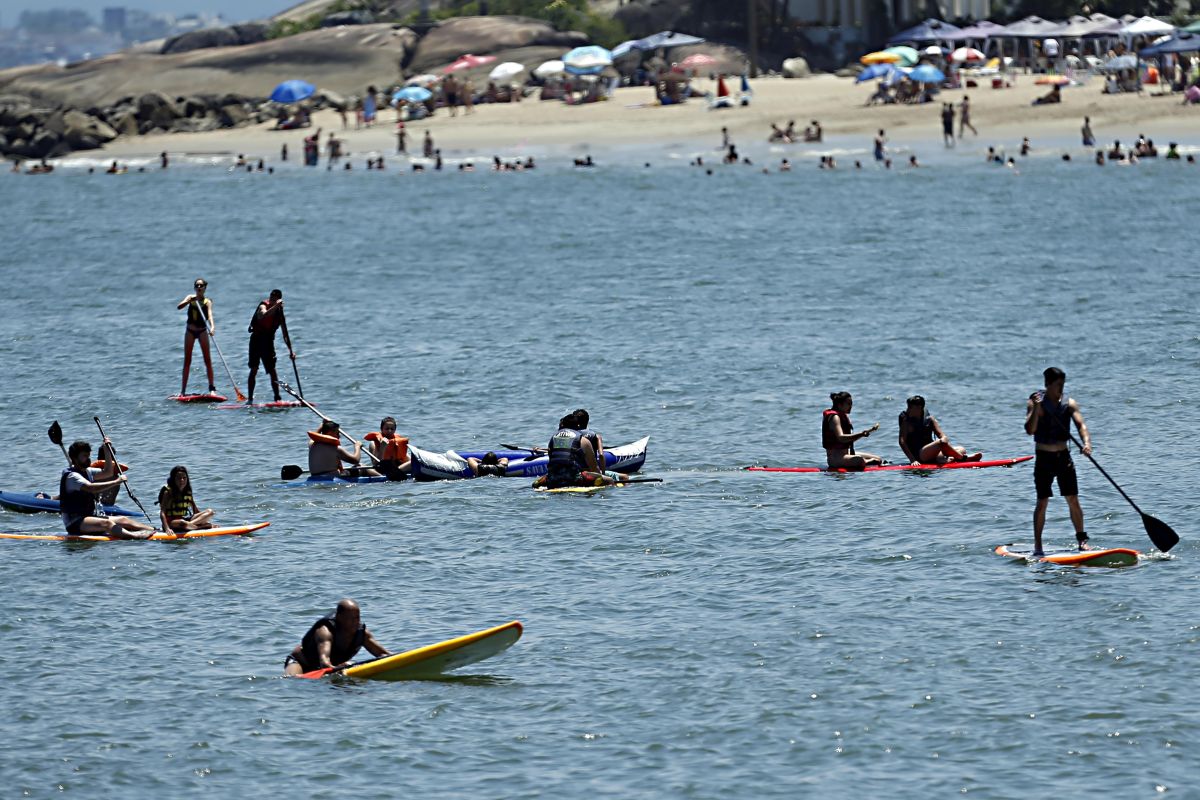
(78, 489)
(391, 449)
(1048, 416)
(176, 509)
(572, 457)
(922, 439)
(325, 453)
(838, 437)
(332, 641)
(489, 465)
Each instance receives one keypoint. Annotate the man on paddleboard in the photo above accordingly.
(78, 491)
(199, 322)
(572, 456)
(332, 641)
(1048, 416)
(922, 439)
(267, 319)
(838, 436)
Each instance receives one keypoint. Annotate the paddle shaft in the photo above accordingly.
(213, 336)
(292, 353)
(125, 482)
(313, 409)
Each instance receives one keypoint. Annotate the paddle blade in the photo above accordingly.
(289, 472)
(55, 433)
(644, 480)
(1160, 533)
(316, 673)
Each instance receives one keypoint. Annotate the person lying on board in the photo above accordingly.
(490, 464)
(922, 438)
(78, 490)
(332, 641)
(177, 511)
(838, 436)
(325, 453)
(391, 449)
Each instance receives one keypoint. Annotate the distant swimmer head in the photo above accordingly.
(841, 401)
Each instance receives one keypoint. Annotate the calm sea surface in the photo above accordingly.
(722, 634)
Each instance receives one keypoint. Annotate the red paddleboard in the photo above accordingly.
(1113, 557)
(273, 404)
(1001, 462)
(198, 398)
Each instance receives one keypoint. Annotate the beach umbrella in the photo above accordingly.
(293, 91)
(469, 61)
(875, 71)
(908, 55)
(548, 69)
(412, 94)
(1193, 28)
(506, 71)
(1183, 42)
(662, 39)
(587, 58)
(881, 57)
(967, 54)
(422, 80)
(926, 73)
(1121, 62)
(931, 30)
(934, 50)
(697, 61)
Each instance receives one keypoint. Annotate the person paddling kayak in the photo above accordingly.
(922, 439)
(78, 490)
(178, 512)
(332, 641)
(838, 437)
(391, 449)
(199, 322)
(267, 319)
(325, 453)
(1048, 416)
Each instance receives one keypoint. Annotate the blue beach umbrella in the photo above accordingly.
(926, 73)
(412, 94)
(588, 58)
(875, 71)
(293, 91)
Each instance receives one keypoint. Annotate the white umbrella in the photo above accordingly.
(932, 50)
(550, 68)
(422, 80)
(967, 54)
(588, 57)
(506, 71)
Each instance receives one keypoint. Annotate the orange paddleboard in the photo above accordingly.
(1113, 557)
(240, 530)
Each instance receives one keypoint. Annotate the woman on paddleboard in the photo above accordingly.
(177, 510)
(199, 323)
(922, 439)
(838, 436)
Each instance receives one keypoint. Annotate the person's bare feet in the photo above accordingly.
(975, 457)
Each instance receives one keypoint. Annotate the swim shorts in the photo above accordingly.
(262, 349)
(1051, 465)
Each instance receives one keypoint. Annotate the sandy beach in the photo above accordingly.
(632, 120)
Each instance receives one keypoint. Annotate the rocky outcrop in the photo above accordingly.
(232, 36)
(487, 36)
(796, 68)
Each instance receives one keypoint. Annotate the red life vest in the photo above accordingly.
(397, 446)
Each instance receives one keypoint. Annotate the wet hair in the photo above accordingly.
(489, 458)
(916, 400)
(1052, 374)
(581, 416)
(328, 426)
(78, 447)
(837, 398)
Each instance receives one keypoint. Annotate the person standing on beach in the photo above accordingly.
(428, 150)
(199, 323)
(880, 142)
(267, 319)
(450, 91)
(1048, 416)
(948, 124)
(964, 117)
(1089, 138)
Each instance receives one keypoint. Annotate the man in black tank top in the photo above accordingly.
(1048, 417)
(332, 641)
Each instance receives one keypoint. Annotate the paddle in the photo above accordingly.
(643, 480)
(534, 452)
(292, 353)
(113, 450)
(212, 335)
(321, 673)
(55, 434)
(313, 409)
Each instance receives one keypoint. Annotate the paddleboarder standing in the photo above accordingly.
(199, 322)
(267, 319)
(332, 641)
(1048, 416)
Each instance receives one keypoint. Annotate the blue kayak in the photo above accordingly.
(332, 480)
(452, 464)
(32, 504)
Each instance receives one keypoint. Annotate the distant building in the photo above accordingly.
(114, 19)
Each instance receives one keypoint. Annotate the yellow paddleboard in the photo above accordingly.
(577, 489)
(437, 659)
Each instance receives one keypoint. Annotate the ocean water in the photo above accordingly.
(722, 634)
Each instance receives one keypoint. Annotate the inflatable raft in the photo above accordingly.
(452, 464)
(29, 503)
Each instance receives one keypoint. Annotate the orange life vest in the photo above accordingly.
(397, 447)
(99, 464)
(321, 438)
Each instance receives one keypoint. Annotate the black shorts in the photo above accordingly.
(262, 349)
(1050, 465)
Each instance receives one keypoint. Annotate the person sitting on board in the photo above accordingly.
(1048, 416)
(922, 439)
(572, 458)
(838, 437)
(391, 449)
(78, 489)
(176, 509)
(325, 453)
(489, 465)
(199, 322)
(332, 641)
(267, 319)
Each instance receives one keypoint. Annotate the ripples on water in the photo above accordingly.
(721, 634)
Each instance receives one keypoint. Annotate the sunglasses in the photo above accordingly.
(200, 285)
